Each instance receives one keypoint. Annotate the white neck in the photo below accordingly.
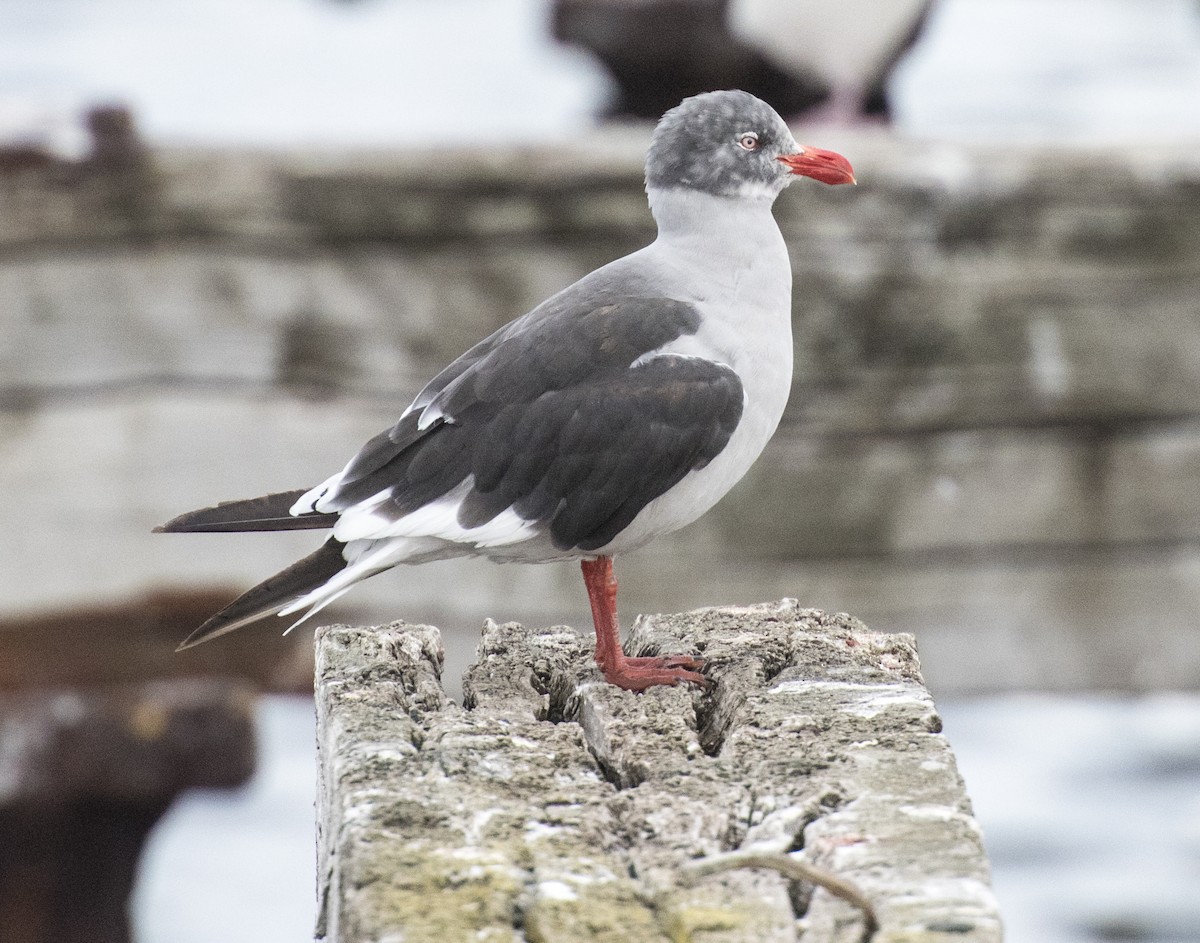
(744, 228)
(688, 211)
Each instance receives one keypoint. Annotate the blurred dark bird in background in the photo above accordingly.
(799, 54)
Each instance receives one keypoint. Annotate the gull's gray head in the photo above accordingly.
(732, 144)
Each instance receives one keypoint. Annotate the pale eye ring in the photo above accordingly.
(748, 141)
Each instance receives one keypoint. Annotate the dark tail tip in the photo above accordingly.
(272, 594)
(270, 512)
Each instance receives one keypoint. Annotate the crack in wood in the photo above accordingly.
(559, 807)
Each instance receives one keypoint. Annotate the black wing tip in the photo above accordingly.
(271, 512)
(232, 617)
(198, 522)
(198, 637)
(271, 595)
(218, 624)
(176, 525)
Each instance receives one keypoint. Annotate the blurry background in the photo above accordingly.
(236, 237)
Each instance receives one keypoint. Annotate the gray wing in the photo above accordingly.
(551, 418)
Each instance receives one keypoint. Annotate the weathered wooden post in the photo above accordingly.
(808, 795)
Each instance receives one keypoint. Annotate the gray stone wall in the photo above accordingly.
(993, 439)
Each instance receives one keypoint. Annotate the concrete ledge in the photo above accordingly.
(552, 807)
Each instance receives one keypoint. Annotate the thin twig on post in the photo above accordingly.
(791, 867)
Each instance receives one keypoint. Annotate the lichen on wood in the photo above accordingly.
(551, 806)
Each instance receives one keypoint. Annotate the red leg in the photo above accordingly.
(632, 674)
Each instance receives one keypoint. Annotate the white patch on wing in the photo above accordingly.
(308, 501)
(429, 415)
(437, 519)
(669, 350)
(430, 405)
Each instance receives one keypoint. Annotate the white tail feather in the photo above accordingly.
(315, 609)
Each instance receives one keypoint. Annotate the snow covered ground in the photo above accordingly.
(1090, 808)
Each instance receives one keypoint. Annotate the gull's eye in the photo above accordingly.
(748, 141)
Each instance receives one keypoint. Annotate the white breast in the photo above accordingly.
(747, 325)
